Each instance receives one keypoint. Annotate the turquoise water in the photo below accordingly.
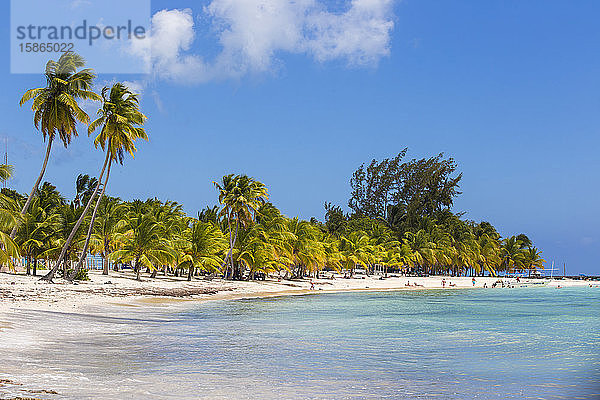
(537, 343)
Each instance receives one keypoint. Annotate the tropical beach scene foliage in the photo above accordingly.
(400, 220)
(393, 289)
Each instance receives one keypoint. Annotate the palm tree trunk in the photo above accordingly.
(104, 265)
(91, 227)
(13, 233)
(50, 275)
(190, 272)
(232, 246)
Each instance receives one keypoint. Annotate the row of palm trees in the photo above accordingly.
(244, 237)
(248, 237)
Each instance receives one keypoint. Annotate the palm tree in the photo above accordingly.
(121, 122)
(9, 217)
(511, 254)
(489, 254)
(356, 250)
(204, 244)
(172, 222)
(307, 251)
(142, 244)
(423, 249)
(241, 197)
(40, 225)
(55, 106)
(110, 213)
(85, 186)
(532, 259)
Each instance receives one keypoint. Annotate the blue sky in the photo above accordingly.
(509, 89)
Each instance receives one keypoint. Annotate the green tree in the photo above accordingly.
(121, 121)
(532, 259)
(241, 197)
(142, 243)
(55, 107)
(511, 254)
(204, 246)
(107, 225)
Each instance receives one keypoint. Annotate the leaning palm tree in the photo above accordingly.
(55, 107)
(121, 121)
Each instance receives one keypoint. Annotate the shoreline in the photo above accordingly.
(121, 289)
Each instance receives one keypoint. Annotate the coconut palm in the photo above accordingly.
(85, 186)
(39, 226)
(241, 197)
(121, 120)
(256, 252)
(55, 107)
(106, 226)
(307, 251)
(9, 217)
(532, 259)
(204, 245)
(172, 222)
(356, 250)
(142, 244)
(423, 249)
(489, 254)
(511, 254)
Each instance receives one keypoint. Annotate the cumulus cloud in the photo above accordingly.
(252, 33)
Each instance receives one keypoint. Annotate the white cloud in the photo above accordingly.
(252, 33)
(136, 87)
(361, 35)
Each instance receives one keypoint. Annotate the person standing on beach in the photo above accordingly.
(473, 281)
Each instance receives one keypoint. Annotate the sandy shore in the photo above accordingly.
(19, 291)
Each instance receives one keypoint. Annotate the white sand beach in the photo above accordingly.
(28, 292)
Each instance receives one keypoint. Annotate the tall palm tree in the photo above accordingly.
(241, 197)
(121, 121)
(55, 107)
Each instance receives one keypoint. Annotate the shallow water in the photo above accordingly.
(537, 343)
